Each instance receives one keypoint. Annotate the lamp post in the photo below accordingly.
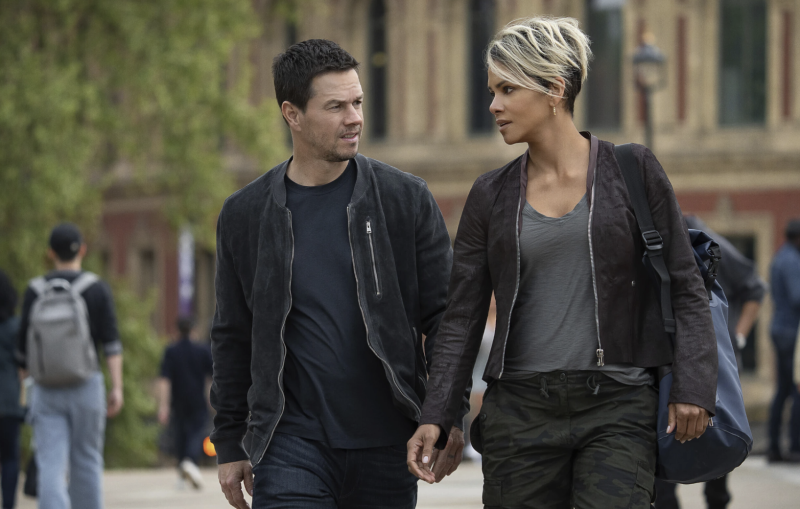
(650, 70)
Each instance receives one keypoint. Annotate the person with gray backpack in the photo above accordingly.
(67, 317)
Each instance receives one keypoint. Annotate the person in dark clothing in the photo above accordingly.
(745, 290)
(570, 413)
(69, 420)
(331, 268)
(183, 390)
(11, 412)
(785, 280)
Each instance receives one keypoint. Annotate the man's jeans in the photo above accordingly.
(69, 427)
(297, 473)
(786, 389)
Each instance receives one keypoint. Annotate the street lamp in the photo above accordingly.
(648, 65)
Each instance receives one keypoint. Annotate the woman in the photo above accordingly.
(10, 410)
(569, 418)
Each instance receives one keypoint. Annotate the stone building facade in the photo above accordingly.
(726, 121)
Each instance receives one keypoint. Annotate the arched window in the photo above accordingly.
(376, 99)
(481, 31)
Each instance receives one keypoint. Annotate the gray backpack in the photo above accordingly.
(60, 347)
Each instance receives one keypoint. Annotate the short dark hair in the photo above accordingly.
(295, 69)
(793, 230)
(185, 325)
(8, 297)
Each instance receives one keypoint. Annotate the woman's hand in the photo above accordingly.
(687, 421)
(420, 452)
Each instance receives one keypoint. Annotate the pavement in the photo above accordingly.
(754, 485)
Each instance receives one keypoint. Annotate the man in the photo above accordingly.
(183, 399)
(785, 281)
(69, 417)
(330, 269)
(744, 290)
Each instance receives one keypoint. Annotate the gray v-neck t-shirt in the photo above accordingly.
(553, 325)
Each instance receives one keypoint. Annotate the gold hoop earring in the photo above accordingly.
(554, 111)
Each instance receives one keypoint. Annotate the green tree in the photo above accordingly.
(147, 96)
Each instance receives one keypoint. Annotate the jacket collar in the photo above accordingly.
(363, 176)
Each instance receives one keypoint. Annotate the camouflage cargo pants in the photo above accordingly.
(568, 439)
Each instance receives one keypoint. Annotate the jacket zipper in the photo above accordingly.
(374, 266)
(516, 290)
(364, 317)
(283, 343)
(600, 354)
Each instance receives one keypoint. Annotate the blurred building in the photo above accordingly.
(726, 122)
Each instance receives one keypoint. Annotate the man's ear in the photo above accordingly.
(291, 114)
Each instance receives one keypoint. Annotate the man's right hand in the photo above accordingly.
(231, 476)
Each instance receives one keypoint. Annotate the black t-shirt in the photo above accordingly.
(187, 366)
(99, 305)
(336, 389)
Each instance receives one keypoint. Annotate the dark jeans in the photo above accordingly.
(190, 430)
(716, 491)
(297, 473)
(786, 389)
(568, 439)
(9, 459)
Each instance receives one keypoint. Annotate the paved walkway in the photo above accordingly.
(754, 485)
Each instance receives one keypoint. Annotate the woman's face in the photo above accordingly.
(519, 112)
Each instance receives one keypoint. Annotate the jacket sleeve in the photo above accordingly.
(695, 361)
(231, 351)
(461, 330)
(434, 264)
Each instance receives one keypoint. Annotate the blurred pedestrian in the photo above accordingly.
(183, 398)
(785, 282)
(67, 318)
(569, 417)
(744, 290)
(331, 268)
(11, 412)
(478, 384)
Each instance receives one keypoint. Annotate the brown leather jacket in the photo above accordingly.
(630, 327)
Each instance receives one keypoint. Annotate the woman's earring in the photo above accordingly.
(554, 111)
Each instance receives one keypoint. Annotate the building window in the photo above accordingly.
(376, 100)
(604, 84)
(481, 31)
(743, 62)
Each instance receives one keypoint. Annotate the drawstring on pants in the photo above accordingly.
(543, 387)
(592, 382)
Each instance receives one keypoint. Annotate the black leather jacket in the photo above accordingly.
(402, 260)
(627, 310)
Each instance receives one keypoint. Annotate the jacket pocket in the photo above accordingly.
(372, 257)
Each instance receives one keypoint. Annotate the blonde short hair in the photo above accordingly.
(533, 52)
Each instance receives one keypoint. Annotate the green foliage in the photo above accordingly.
(134, 98)
(131, 436)
(140, 95)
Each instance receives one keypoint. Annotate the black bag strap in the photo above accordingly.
(653, 243)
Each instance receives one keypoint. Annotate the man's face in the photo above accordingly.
(332, 123)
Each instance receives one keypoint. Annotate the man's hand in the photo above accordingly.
(231, 476)
(115, 401)
(446, 461)
(420, 452)
(687, 421)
